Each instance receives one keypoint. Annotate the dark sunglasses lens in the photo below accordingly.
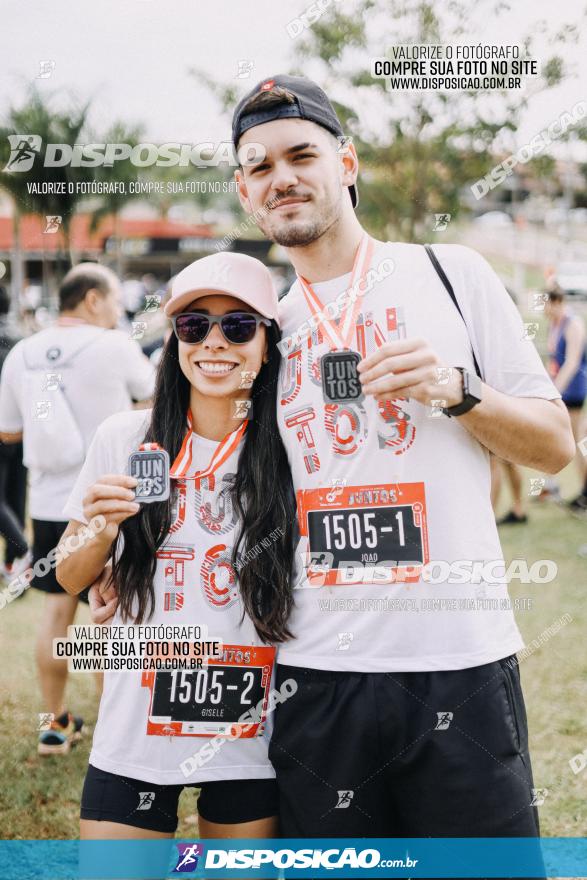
(239, 328)
(191, 328)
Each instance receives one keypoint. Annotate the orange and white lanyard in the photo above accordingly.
(341, 333)
(180, 467)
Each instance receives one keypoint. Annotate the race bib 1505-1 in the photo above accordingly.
(364, 534)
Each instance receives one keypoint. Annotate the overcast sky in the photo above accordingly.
(132, 57)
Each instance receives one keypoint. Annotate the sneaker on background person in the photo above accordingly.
(578, 504)
(63, 733)
(11, 570)
(517, 513)
(512, 518)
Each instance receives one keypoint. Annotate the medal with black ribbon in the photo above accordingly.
(338, 367)
(150, 466)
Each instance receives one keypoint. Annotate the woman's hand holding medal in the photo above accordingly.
(112, 497)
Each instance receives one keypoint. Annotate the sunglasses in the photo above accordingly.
(237, 327)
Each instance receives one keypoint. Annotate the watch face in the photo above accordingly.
(472, 394)
(472, 385)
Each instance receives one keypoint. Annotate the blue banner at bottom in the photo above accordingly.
(315, 857)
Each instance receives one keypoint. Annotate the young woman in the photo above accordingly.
(567, 366)
(217, 554)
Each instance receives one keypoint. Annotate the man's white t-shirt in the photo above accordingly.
(195, 585)
(400, 481)
(105, 376)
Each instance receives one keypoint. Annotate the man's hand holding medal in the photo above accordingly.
(410, 368)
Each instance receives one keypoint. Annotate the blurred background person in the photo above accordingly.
(56, 388)
(517, 514)
(567, 365)
(133, 295)
(513, 473)
(13, 474)
(30, 300)
(159, 327)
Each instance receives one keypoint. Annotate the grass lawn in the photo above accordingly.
(39, 797)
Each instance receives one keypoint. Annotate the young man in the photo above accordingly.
(13, 476)
(56, 388)
(409, 718)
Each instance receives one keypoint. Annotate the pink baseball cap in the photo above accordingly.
(235, 274)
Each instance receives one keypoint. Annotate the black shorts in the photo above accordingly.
(409, 754)
(108, 797)
(46, 536)
(575, 403)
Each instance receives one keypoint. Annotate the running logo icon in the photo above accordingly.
(46, 68)
(436, 408)
(146, 799)
(444, 719)
(537, 484)
(443, 375)
(52, 381)
(187, 858)
(344, 641)
(152, 302)
(530, 330)
(244, 68)
(441, 222)
(243, 409)
(45, 719)
(219, 273)
(344, 800)
(538, 301)
(53, 222)
(247, 378)
(24, 148)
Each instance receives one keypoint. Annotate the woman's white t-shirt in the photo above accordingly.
(195, 585)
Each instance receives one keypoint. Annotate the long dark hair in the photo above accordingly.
(262, 495)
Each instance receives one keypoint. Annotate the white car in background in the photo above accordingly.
(494, 220)
(572, 278)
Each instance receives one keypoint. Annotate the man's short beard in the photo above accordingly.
(298, 234)
(302, 233)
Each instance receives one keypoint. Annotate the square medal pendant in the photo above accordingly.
(151, 468)
(340, 379)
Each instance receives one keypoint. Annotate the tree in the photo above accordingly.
(418, 149)
(112, 203)
(425, 146)
(36, 117)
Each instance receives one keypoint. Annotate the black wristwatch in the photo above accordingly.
(472, 394)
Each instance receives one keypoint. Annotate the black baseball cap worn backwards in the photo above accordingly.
(310, 103)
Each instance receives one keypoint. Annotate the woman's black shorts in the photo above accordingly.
(108, 797)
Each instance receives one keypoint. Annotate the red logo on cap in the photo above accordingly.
(267, 85)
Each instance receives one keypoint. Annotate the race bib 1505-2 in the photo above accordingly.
(228, 697)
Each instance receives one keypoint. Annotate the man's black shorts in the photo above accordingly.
(108, 797)
(46, 536)
(410, 754)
